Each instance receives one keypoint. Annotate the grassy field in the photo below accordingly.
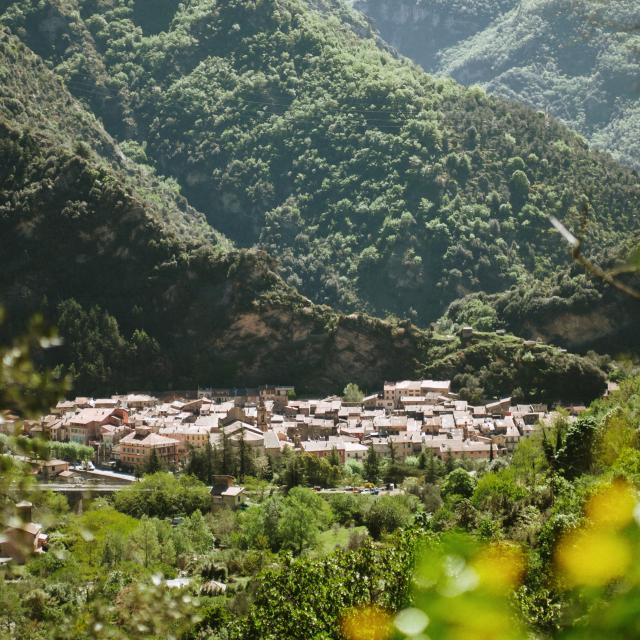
(336, 537)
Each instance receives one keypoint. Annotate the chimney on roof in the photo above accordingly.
(25, 510)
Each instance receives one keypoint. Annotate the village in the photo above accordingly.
(117, 440)
(405, 419)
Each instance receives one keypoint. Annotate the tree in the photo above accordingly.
(433, 468)
(194, 533)
(320, 471)
(294, 472)
(228, 457)
(297, 528)
(576, 456)
(245, 465)
(113, 550)
(372, 465)
(449, 463)
(164, 496)
(498, 493)
(153, 464)
(387, 514)
(352, 393)
(145, 540)
(549, 451)
(92, 343)
(519, 187)
(458, 482)
(202, 463)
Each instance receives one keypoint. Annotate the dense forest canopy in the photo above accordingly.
(375, 186)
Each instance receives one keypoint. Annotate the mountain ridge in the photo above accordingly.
(576, 60)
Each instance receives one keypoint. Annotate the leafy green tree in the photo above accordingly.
(320, 471)
(202, 463)
(576, 456)
(194, 534)
(163, 495)
(458, 482)
(498, 493)
(145, 541)
(298, 527)
(294, 472)
(348, 509)
(352, 393)
(386, 514)
(519, 186)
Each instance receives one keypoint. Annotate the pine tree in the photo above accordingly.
(431, 469)
(153, 464)
(228, 458)
(449, 464)
(209, 463)
(372, 465)
(244, 458)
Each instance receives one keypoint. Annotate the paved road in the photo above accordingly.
(83, 487)
(106, 474)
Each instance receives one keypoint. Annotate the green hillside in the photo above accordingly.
(147, 295)
(375, 186)
(578, 61)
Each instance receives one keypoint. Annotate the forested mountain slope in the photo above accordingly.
(109, 254)
(146, 294)
(374, 185)
(577, 60)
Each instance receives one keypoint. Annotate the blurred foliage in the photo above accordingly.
(26, 388)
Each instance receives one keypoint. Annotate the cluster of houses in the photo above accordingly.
(403, 420)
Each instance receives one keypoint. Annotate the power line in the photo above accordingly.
(91, 89)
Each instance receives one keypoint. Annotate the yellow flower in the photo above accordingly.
(368, 623)
(500, 567)
(487, 623)
(592, 557)
(612, 507)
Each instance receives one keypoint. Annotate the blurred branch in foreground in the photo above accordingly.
(610, 276)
